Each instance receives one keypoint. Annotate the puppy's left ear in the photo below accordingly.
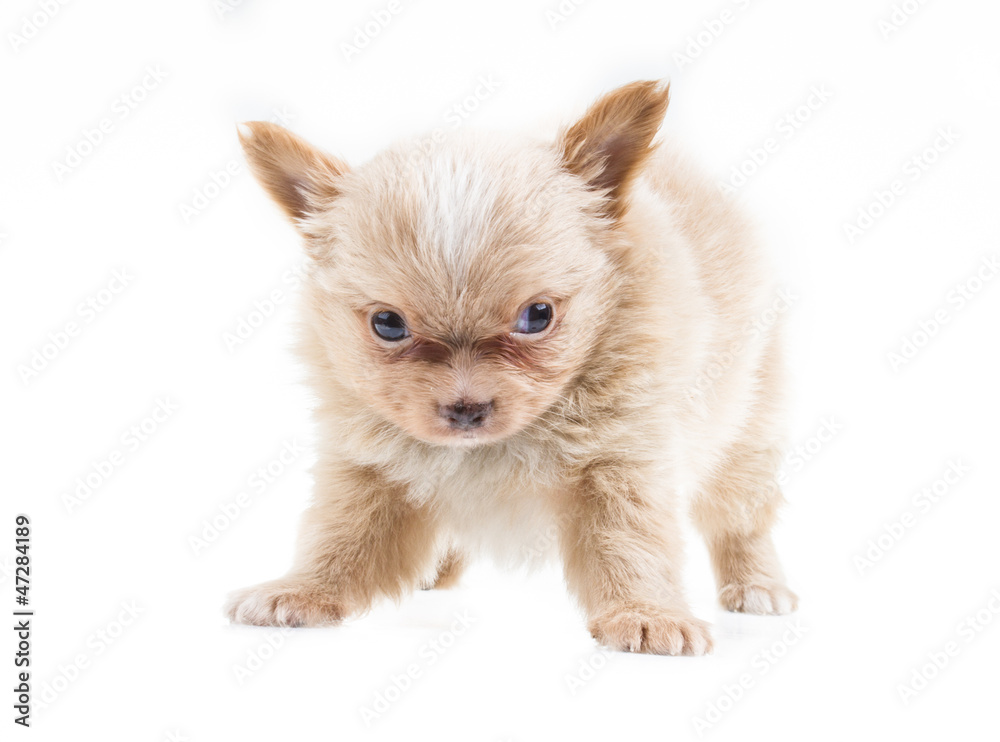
(299, 177)
(608, 146)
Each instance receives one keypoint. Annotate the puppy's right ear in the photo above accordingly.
(300, 178)
(609, 145)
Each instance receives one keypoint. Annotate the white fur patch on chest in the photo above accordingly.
(490, 504)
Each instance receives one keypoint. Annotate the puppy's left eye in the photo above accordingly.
(534, 318)
(389, 326)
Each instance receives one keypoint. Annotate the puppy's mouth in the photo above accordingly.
(442, 436)
(467, 439)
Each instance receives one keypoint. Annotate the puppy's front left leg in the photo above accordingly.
(622, 554)
(361, 539)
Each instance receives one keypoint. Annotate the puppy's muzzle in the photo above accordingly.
(466, 415)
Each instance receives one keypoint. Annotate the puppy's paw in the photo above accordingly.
(284, 602)
(763, 598)
(653, 631)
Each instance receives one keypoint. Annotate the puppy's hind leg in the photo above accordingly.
(735, 511)
(449, 570)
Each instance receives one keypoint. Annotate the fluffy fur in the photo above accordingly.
(656, 377)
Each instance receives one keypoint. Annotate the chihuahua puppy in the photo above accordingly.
(519, 342)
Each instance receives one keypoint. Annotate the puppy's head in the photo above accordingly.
(460, 290)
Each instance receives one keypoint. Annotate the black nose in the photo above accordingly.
(466, 415)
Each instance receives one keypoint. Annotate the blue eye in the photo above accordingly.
(534, 318)
(389, 326)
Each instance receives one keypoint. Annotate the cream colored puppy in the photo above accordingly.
(513, 339)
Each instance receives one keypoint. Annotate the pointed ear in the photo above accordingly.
(609, 144)
(299, 177)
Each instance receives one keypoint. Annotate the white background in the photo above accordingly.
(172, 673)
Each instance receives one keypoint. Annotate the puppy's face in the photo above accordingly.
(460, 292)
(468, 287)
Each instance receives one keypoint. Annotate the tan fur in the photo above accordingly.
(598, 425)
(449, 570)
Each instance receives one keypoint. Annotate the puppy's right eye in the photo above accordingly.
(389, 326)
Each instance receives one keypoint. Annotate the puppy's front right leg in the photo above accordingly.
(622, 559)
(360, 540)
